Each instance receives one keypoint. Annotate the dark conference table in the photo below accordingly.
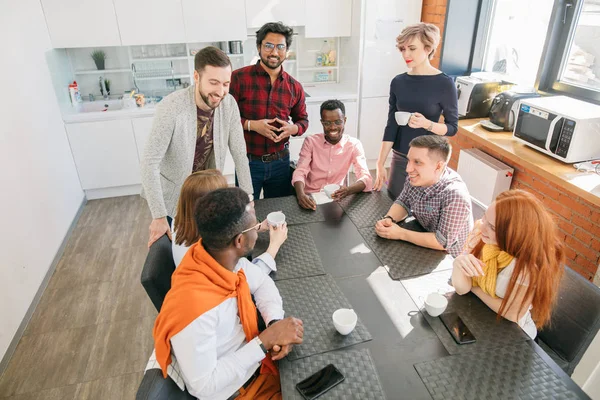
(402, 335)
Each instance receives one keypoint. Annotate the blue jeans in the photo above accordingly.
(273, 177)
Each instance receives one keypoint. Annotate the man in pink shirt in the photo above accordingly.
(326, 158)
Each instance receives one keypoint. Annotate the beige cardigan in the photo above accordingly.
(169, 153)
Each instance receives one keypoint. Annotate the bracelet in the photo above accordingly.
(430, 127)
(248, 125)
(391, 219)
(272, 322)
(262, 346)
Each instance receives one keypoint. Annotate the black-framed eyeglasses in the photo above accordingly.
(270, 46)
(338, 122)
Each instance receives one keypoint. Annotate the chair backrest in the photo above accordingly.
(155, 387)
(158, 268)
(575, 319)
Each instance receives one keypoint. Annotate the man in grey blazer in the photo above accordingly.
(191, 131)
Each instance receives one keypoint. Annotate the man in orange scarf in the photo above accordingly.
(207, 329)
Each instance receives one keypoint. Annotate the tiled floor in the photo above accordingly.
(91, 335)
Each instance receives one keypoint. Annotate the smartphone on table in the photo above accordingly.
(320, 382)
(457, 328)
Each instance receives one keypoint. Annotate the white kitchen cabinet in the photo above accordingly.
(351, 127)
(141, 130)
(81, 23)
(150, 21)
(225, 21)
(105, 153)
(290, 12)
(314, 119)
(329, 18)
(373, 118)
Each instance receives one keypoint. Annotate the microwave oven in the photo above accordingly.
(562, 127)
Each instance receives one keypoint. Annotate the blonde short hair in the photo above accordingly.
(428, 34)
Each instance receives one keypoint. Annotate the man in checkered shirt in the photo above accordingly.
(435, 195)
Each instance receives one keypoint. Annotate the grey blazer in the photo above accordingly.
(169, 153)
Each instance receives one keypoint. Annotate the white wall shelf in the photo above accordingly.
(318, 68)
(150, 78)
(102, 71)
(159, 59)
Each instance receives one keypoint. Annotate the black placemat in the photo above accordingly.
(509, 372)
(314, 300)
(489, 331)
(403, 259)
(294, 214)
(297, 257)
(365, 209)
(361, 383)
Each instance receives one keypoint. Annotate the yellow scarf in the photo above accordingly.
(495, 261)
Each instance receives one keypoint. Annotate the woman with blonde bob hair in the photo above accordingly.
(513, 261)
(185, 231)
(425, 93)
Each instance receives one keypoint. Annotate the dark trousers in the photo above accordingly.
(274, 178)
(397, 174)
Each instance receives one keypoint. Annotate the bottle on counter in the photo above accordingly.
(319, 62)
(325, 49)
(74, 93)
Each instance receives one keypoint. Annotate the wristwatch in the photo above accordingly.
(262, 346)
(430, 127)
(390, 218)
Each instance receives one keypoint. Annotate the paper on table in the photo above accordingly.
(321, 198)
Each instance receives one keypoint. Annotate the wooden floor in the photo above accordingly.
(91, 335)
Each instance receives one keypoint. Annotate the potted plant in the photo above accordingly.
(99, 56)
(107, 86)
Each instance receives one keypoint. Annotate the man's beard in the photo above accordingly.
(206, 99)
(265, 61)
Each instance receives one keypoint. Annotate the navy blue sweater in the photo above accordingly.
(429, 95)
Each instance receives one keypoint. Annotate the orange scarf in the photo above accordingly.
(198, 285)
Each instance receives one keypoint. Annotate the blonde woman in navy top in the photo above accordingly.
(426, 93)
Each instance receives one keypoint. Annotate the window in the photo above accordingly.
(580, 65)
(515, 39)
(553, 45)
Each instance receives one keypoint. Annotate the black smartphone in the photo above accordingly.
(457, 328)
(320, 382)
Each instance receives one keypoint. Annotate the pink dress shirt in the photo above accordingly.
(322, 163)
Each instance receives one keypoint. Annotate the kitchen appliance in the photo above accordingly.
(564, 128)
(235, 47)
(224, 46)
(505, 108)
(475, 95)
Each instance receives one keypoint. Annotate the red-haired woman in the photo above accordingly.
(513, 261)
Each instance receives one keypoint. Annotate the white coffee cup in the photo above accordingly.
(435, 304)
(402, 117)
(276, 218)
(344, 320)
(331, 189)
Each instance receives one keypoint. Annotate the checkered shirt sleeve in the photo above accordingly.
(455, 222)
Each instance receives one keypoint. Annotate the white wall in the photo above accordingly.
(40, 193)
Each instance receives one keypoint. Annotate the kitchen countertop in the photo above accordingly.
(583, 184)
(318, 94)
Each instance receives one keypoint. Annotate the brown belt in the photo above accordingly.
(266, 158)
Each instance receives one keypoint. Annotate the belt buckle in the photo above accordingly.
(265, 158)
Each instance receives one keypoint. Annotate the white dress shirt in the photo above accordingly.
(213, 356)
(265, 261)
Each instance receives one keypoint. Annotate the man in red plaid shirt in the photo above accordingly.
(268, 97)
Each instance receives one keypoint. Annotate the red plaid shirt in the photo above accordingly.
(258, 99)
